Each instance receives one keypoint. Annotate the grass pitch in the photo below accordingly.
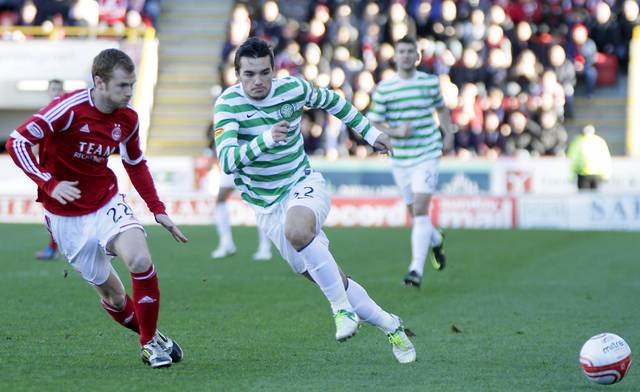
(509, 313)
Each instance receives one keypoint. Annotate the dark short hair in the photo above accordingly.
(406, 40)
(55, 81)
(253, 47)
(108, 60)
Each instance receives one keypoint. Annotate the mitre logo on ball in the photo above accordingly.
(605, 358)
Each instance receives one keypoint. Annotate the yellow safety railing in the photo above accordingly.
(633, 101)
(145, 86)
(52, 32)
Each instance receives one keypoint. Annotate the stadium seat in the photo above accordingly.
(607, 66)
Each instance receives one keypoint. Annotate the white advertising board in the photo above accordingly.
(517, 176)
(511, 176)
(584, 211)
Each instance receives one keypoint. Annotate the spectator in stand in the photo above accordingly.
(606, 32)
(270, 26)
(290, 59)
(468, 117)
(566, 76)
(525, 136)
(525, 10)
(85, 13)
(142, 12)
(585, 54)
(470, 70)
(151, 12)
(522, 40)
(527, 70)
(554, 135)
(552, 97)
(239, 28)
(10, 12)
(113, 12)
(47, 9)
(421, 12)
(492, 141)
(628, 20)
(497, 68)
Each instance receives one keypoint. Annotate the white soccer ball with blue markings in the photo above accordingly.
(605, 358)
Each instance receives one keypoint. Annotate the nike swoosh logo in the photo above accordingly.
(251, 115)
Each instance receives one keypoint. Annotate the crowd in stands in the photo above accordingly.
(509, 70)
(130, 13)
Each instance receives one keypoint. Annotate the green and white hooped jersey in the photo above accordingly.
(265, 171)
(396, 101)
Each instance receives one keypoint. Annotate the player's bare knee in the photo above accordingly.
(299, 237)
(116, 300)
(139, 263)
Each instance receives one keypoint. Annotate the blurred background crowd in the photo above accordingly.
(130, 13)
(508, 70)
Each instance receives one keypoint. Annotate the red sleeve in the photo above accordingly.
(19, 146)
(138, 172)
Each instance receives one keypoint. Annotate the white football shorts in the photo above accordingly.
(226, 180)
(83, 240)
(422, 178)
(311, 193)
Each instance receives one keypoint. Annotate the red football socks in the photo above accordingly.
(146, 301)
(125, 317)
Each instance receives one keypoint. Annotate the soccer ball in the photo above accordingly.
(605, 358)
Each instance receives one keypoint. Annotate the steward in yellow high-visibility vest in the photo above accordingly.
(589, 158)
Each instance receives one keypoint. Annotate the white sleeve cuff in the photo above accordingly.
(267, 137)
(372, 135)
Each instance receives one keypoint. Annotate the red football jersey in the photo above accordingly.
(75, 139)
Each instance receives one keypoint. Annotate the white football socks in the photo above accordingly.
(367, 309)
(265, 243)
(222, 223)
(436, 237)
(420, 239)
(323, 269)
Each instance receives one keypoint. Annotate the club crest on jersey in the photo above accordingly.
(286, 111)
(116, 133)
(35, 130)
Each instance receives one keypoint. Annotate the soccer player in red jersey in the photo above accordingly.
(89, 220)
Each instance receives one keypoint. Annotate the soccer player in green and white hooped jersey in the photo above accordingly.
(258, 140)
(403, 108)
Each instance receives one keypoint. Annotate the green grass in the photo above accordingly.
(525, 302)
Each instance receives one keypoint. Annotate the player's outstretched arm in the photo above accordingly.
(168, 224)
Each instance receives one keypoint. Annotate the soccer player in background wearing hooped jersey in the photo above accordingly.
(87, 217)
(258, 140)
(54, 89)
(403, 108)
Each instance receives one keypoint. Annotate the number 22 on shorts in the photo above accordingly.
(119, 211)
(307, 194)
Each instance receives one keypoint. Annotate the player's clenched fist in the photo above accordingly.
(279, 131)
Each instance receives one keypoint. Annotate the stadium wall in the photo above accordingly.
(528, 194)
